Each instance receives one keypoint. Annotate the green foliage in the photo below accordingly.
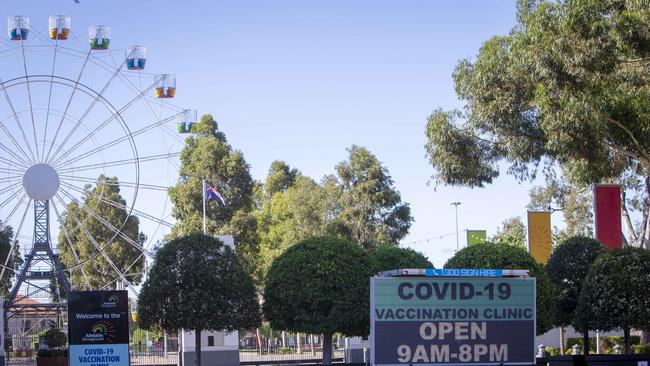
(197, 283)
(575, 201)
(371, 211)
(641, 349)
(568, 83)
(512, 232)
(140, 335)
(615, 292)
(567, 268)
(606, 343)
(91, 218)
(503, 256)
(279, 178)
(386, 257)
(568, 86)
(359, 204)
(54, 338)
(15, 260)
(207, 155)
(320, 285)
(302, 211)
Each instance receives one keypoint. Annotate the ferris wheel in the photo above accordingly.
(79, 114)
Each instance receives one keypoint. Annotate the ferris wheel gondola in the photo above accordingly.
(74, 116)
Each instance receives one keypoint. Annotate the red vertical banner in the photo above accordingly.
(607, 211)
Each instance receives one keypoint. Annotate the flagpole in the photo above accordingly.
(205, 231)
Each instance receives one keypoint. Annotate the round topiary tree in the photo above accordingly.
(567, 268)
(320, 285)
(197, 283)
(615, 293)
(503, 256)
(387, 257)
(55, 338)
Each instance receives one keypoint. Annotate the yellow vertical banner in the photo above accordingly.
(539, 235)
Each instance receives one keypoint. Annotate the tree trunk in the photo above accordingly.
(628, 341)
(633, 238)
(585, 340)
(327, 349)
(562, 341)
(197, 347)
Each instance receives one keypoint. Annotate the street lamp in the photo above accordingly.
(456, 204)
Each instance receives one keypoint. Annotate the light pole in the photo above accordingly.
(455, 204)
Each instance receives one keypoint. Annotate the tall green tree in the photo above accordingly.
(197, 283)
(302, 211)
(490, 255)
(615, 293)
(13, 260)
(568, 267)
(88, 235)
(512, 232)
(280, 177)
(208, 156)
(320, 286)
(568, 86)
(371, 211)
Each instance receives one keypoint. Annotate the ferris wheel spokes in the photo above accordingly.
(13, 211)
(85, 114)
(29, 97)
(17, 120)
(15, 241)
(67, 107)
(119, 205)
(70, 245)
(121, 183)
(118, 162)
(106, 223)
(59, 29)
(10, 178)
(103, 124)
(88, 235)
(114, 142)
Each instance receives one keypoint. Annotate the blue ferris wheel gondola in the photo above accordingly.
(18, 27)
(136, 57)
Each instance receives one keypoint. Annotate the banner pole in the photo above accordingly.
(205, 231)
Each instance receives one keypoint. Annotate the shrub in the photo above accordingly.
(643, 349)
(54, 338)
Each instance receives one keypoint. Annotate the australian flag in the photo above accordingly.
(211, 193)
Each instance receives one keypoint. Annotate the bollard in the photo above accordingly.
(575, 350)
(541, 351)
(617, 349)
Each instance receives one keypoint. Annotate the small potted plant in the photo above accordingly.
(56, 354)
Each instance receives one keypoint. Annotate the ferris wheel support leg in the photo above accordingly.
(42, 250)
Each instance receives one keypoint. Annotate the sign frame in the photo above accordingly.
(98, 328)
(429, 278)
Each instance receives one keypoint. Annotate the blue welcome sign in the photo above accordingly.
(452, 320)
(98, 328)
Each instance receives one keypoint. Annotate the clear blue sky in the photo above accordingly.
(302, 80)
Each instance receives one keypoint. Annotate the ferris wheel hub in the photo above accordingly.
(41, 182)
